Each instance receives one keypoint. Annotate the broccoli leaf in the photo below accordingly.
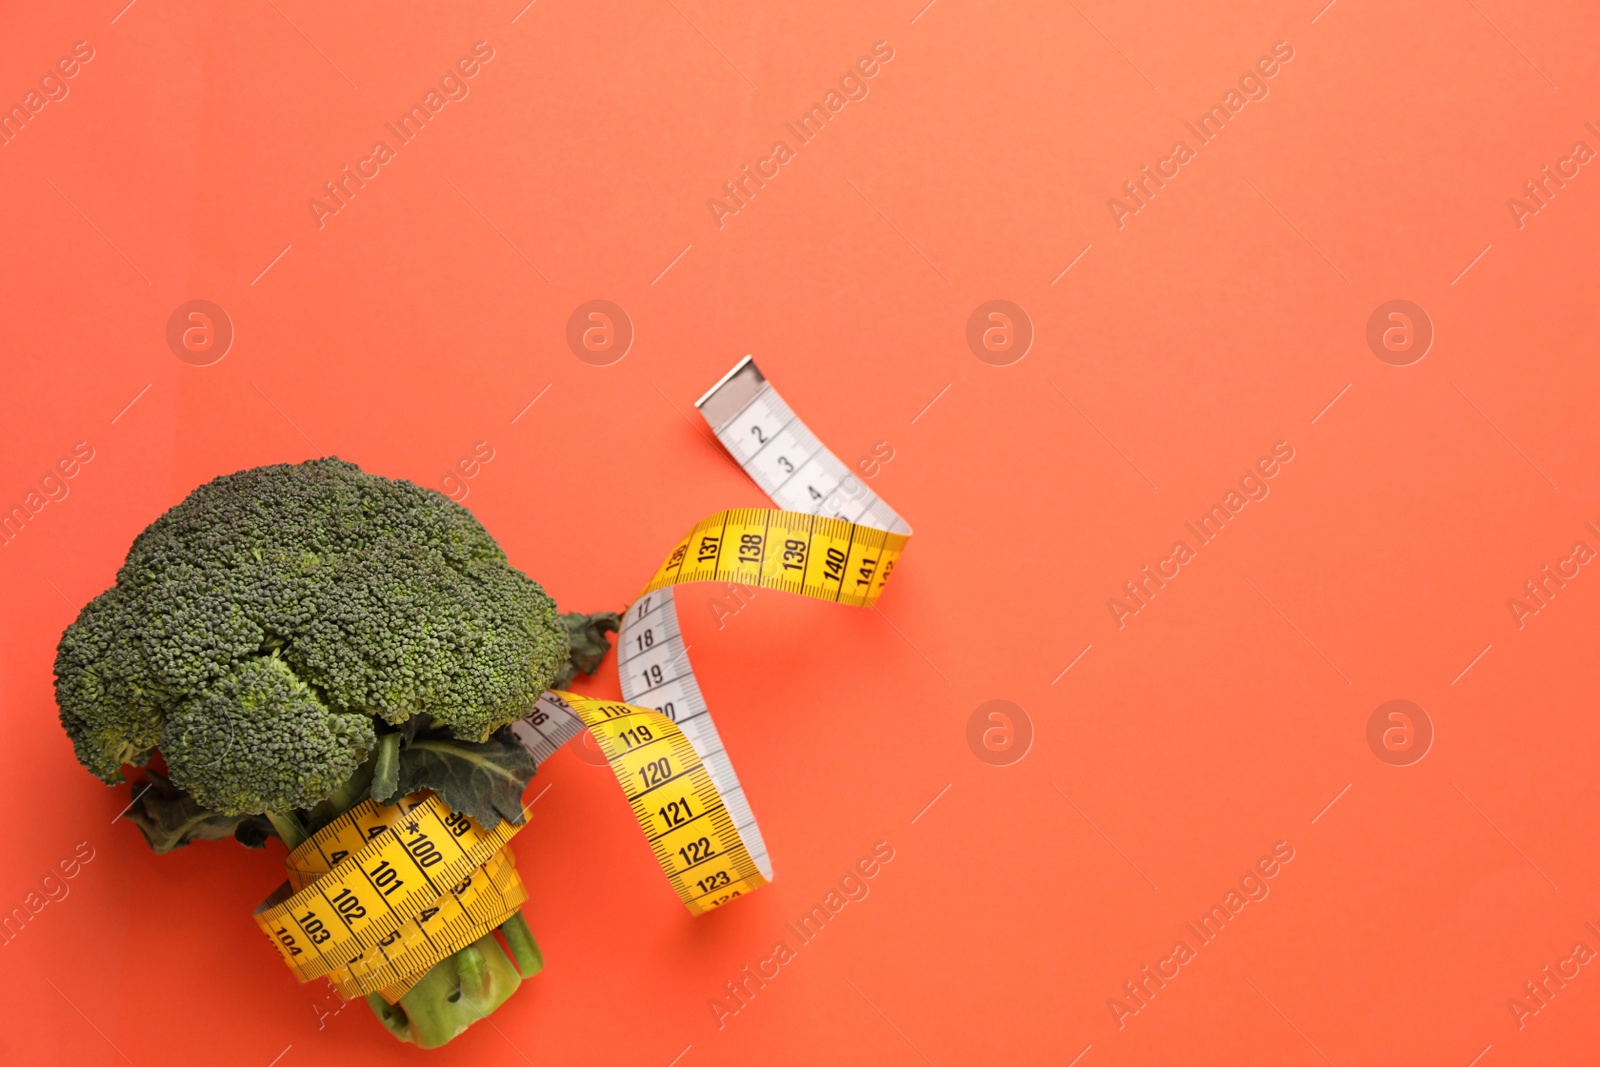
(588, 644)
(420, 723)
(254, 831)
(482, 779)
(169, 818)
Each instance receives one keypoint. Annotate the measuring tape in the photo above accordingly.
(381, 894)
(834, 539)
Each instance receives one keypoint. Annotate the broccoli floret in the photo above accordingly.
(109, 709)
(260, 740)
(260, 626)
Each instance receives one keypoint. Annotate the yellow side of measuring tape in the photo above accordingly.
(384, 869)
(377, 897)
(826, 559)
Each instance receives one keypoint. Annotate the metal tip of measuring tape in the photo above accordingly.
(731, 393)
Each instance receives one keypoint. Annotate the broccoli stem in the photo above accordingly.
(386, 768)
(390, 1015)
(524, 949)
(456, 993)
(472, 972)
(355, 789)
(289, 827)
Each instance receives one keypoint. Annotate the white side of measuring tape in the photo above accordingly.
(768, 440)
(798, 473)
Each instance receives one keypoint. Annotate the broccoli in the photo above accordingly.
(295, 638)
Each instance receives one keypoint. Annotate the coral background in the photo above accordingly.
(1228, 314)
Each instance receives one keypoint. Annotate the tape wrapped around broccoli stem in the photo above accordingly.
(381, 894)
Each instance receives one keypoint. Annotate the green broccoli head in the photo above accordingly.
(260, 626)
